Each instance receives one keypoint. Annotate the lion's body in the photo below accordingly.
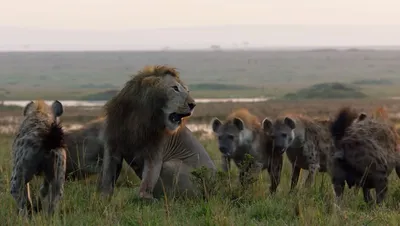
(182, 152)
(39, 148)
(240, 134)
(307, 143)
(143, 126)
(366, 153)
(85, 150)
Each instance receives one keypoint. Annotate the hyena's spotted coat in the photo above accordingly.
(39, 148)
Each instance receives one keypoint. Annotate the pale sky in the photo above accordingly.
(114, 24)
(131, 14)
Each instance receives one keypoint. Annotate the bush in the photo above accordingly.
(327, 91)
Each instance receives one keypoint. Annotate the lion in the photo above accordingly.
(144, 126)
(241, 134)
(365, 154)
(85, 150)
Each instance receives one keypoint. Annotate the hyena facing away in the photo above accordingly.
(39, 148)
(241, 134)
(307, 143)
(366, 153)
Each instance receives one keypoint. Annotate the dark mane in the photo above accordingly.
(134, 115)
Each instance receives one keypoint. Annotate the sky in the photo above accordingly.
(116, 16)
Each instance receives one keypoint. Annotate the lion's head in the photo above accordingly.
(179, 103)
(153, 101)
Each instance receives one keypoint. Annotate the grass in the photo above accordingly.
(83, 206)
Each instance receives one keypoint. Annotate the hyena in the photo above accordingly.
(241, 134)
(366, 153)
(39, 148)
(307, 143)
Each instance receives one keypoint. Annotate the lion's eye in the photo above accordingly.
(175, 88)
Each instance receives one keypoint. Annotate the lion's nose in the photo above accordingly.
(192, 105)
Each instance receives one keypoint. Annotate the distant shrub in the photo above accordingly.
(372, 82)
(327, 91)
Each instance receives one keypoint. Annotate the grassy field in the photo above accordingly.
(71, 75)
(231, 206)
(74, 75)
(83, 206)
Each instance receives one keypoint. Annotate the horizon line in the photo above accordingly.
(191, 27)
(227, 49)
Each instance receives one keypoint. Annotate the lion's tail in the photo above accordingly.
(343, 120)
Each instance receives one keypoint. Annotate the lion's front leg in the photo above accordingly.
(151, 173)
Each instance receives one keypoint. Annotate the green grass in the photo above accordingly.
(81, 204)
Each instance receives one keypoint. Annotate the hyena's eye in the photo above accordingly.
(231, 137)
(284, 135)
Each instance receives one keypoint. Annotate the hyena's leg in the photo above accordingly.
(295, 176)
(381, 188)
(26, 165)
(338, 180)
(20, 190)
(226, 163)
(52, 189)
(312, 171)
(151, 173)
(274, 171)
(367, 195)
(27, 161)
(112, 164)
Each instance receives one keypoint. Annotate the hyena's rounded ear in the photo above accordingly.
(26, 109)
(238, 123)
(57, 108)
(266, 125)
(290, 122)
(362, 116)
(215, 124)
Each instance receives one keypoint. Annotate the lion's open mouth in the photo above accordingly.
(177, 118)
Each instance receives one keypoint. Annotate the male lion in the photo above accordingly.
(144, 127)
(365, 155)
(241, 134)
(85, 150)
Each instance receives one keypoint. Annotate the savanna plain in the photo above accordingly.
(78, 76)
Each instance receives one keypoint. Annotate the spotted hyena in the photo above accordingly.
(242, 134)
(365, 155)
(39, 148)
(307, 143)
